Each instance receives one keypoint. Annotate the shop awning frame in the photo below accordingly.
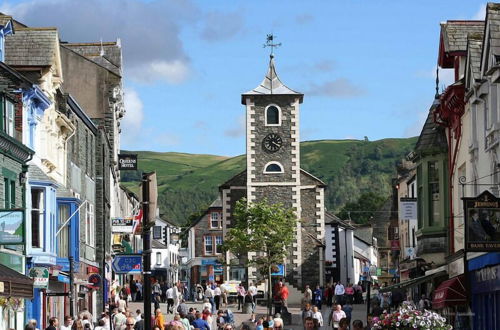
(15, 285)
(450, 293)
(412, 282)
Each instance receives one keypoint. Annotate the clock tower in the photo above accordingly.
(273, 149)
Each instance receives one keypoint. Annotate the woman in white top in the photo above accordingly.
(317, 315)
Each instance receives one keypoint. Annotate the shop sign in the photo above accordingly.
(95, 280)
(40, 276)
(278, 270)
(122, 225)
(408, 209)
(482, 223)
(11, 227)
(127, 162)
(486, 279)
(395, 245)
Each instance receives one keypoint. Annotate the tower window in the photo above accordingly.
(273, 116)
(273, 167)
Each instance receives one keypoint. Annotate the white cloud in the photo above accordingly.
(134, 115)
(337, 88)
(415, 128)
(481, 13)
(149, 31)
(446, 76)
(239, 130)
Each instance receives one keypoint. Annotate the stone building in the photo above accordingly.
(273, 173)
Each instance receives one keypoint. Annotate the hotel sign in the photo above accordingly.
(482, 223)
(127, 162)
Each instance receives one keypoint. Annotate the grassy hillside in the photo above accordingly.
(188, 182)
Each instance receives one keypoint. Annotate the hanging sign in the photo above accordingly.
(482, 223)
(127, 162)
(94, 280)
(40, 276)
(408, 209)
(122, 225)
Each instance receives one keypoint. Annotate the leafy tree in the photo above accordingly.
(363, 209)
(264, 229)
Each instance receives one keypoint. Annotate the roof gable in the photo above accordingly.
(473, 60)
(105, 54)
(35, 47)
(453, 39)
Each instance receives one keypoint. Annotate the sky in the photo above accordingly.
(366, 68)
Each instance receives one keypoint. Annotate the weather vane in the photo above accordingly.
(270, 43)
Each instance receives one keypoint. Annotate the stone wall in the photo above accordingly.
(201, 229)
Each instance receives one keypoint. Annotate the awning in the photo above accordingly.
(14, 284)
(412, 282)
(450, 293)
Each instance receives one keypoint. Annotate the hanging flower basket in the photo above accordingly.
(409, 318)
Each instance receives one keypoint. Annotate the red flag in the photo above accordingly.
(138, 222)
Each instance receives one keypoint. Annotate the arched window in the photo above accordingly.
(273, 167)
(273, 116)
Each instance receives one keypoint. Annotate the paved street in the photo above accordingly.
(359, 312)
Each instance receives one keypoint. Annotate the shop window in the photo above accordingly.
(63, 238)
(209, 248)
(37, 217)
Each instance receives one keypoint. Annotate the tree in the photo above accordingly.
(264, 229)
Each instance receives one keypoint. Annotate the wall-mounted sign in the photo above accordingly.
(11, 227)
(40, 276)
(127, 162)
(408, 209)
(95, 280)
(156, 232)
(127, 264)
(122, 225)
(482, 223)
(278, 270)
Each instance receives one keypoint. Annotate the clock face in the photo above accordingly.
(272, 142)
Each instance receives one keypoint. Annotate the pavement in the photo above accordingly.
(358, 313)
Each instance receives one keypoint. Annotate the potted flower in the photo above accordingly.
(408, 317)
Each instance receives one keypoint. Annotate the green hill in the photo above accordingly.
(189, 182)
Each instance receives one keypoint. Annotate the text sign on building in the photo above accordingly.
(122, 225)
(11, 227)
(127, 264)
(482, 223)
(127, 162)
(408, 209)
(40, 276)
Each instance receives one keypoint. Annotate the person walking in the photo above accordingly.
(209, 294)
(349, 292)
(339, 293)
(170, 300)
(306, 313)
(241, 295)
(308, 294)
(253, 291)
(335, 316)
(159, 319)
(317, 316)
(318, 296)
(217, 294)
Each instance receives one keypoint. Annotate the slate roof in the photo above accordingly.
(331, 218)
(432, 136)
(4, 19)
(271, 85)
(216, 203)
(493, 19)
(475, 46)
(106, 54)
(35, 173)
(155, 244)
(31, 47)
(454, 34)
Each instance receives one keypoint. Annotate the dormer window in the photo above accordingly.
(273, 115)
(273, 168)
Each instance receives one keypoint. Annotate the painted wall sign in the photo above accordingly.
(127, 162)
(122, 225)
(482, 223)
(11, 227)
(40, 276)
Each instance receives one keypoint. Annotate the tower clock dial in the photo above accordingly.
(272, 142)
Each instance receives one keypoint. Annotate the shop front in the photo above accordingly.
(484, 276)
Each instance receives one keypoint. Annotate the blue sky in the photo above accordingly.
(366, 67)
